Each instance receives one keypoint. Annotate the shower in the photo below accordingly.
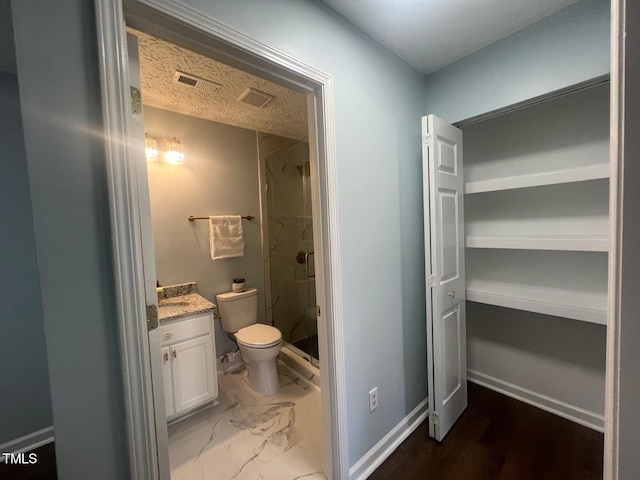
(290, 288)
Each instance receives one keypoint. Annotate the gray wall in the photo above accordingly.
(562, 50)
(219, 176)
(25, 401)
(60, 96)
(557, 358)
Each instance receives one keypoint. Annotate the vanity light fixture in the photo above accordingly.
(150, 147)
(173, 150)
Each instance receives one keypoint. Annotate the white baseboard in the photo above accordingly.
(552, 405)
(28, 442)
(385, 447)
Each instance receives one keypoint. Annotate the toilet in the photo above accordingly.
(259, 344)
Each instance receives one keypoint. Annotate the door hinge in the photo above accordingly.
(152, 317)
(317, 310)
(428, 140)
(434, 418)
(431, 281)
(136, 101)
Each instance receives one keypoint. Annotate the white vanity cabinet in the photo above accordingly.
(188, 363)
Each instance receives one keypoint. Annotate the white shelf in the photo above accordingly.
(569, 175)
(583, 307)
(595, 243)
(563, 284)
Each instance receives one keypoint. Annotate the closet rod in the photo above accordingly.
(191, 218)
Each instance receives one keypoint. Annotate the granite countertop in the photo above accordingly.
(174, 308)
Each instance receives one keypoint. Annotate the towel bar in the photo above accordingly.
(191, 218)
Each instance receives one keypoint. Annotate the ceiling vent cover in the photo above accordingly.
(195, 82)
(255, 98)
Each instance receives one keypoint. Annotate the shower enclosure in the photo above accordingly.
(289, 259)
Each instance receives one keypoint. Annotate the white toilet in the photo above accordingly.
(259, 344)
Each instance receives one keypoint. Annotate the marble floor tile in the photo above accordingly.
(249, 436)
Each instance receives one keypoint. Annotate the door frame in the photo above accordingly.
(212, 38)
(623, 330)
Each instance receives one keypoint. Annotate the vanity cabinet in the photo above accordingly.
(188, 364)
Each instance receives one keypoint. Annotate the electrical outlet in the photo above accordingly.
(373, 399)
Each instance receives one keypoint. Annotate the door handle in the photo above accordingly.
(175, 355)
(306, 263)
(166, 357)
(452, 294)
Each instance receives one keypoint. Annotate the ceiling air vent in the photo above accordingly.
(195, 82)
(255, 98)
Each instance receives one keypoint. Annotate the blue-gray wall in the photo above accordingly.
(562, 50)
(378, 103)
(25, 401)
(60, 94)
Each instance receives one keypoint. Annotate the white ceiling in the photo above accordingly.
(430, 34)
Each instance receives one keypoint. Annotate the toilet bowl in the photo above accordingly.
(259, 344)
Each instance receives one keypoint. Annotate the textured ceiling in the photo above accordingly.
(285, 115)
(430, 34)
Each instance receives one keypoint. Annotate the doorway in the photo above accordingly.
(216, 41)
(218, 174)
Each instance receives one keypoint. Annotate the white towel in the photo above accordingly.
(225, 236)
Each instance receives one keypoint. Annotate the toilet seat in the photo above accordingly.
(259, 336)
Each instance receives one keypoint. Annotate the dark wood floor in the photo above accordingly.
(44, 469)
(498, 438)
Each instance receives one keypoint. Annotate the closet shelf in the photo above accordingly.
(578, 306)
(570, 175)
(591, 243)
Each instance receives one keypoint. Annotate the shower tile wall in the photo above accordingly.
(290, 230)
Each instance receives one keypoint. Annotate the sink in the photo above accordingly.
(177, 303)
(171, 308)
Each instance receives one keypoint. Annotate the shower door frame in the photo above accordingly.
(181, 25)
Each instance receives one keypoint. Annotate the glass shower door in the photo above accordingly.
(291, 257)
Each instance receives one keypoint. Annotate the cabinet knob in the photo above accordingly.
(168, 335)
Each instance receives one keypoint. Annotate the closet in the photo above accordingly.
(536, 247)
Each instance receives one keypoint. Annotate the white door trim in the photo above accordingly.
(622, 387)
(126, 241)
(125, 223)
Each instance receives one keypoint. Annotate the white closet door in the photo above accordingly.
(444, 259)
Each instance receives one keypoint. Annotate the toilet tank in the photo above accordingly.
(238, 310)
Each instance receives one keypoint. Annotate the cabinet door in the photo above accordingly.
(166, 380)
(193, 371)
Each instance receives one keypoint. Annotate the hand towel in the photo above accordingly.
(226, 236)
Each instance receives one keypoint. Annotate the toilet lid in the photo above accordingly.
(259, 336)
